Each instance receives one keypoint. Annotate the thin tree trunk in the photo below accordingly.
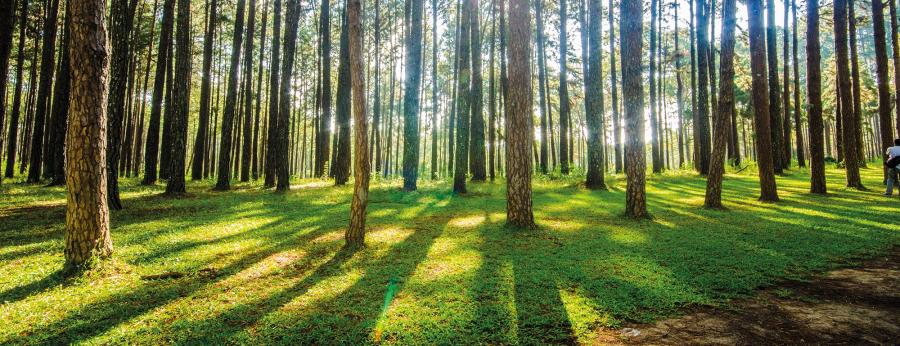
(764, 149)
(151, 153)
(292, 19)
(463, 99)
(411, 102)
(564, 121)
(881, 67)
(773, 87)
(205, 87)
(121, 18)
(223, 181)
(476, 138)
(181, 96)
(798, 124)
(722, 118)
(43, 92)
(851, 161)
(594, 98)
(17, 94)
(617, 127)
(701, 119)
(56, 127)
(631, 31)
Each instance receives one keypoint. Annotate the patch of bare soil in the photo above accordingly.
(854, 306)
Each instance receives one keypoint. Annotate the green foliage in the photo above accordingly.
(249, 266)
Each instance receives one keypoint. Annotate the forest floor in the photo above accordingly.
(250, 266)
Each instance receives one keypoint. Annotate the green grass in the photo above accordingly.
(261, 267)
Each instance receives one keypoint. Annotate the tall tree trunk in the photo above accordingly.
(341, 163)
(355, 235)
(151, 153)
(7, 26)
(594, 98)
(476, 138)
(679, 93)
(434, 101)
(851, 161)
(17, 94)
(323, 137)
(881, 68)
(721, 122)
(786, 95)
(273, 126)
(563, 91)
(774, 89)
(246, 144)
(617, 127)
(631, 30)
(87, 215)
(701, 119)
(181, 96)
(292, 19)
(121, 18)
(463, 99)
(223, 181)
(205, 88)
(519, 128)
(542, 78)
(654, 116)
(895, 47)
(854, 78)
(43, 92)
(798, 125)
(56, 127)
(764, 149)
(413, 81)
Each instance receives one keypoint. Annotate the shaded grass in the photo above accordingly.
(258, 267)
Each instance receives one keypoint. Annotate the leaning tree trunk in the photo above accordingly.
(181, 96)
(594, 99)
(223, 181)
(851, 161)
(87, 215)
(631, 30)
(355, 236)
(725, 105)
(760, 93)
(519, 128)
(413, 81)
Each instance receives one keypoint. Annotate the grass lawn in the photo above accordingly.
(250, 266)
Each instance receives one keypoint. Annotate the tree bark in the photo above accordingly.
(759, 89)
(87, 214)
(355, 236)
(43, 93)
(519, 128)
(542, 78)
(773, 87)
(411, 106)
(594, 98)
(725, 105)
(851, 161)
(292, 18)
(881, 68)
(247, 143)
(564, 120)
(798, 124)
(17, 94)
(121, 19)
(617, 130)
(181, 96)
(895, 47)
(272, 126)
(476, 138)
(463, 100)
(701, 120)
(631, 31)
(205, 91)
(56, 127)
(323, 137)
(151, 152)
(341, 163)
(7, 26)
(223, 181)
(656, 161)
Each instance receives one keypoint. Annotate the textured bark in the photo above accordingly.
(7, 26)
(798, 124)
(43, 93)
(181, 96)
(881, 67)
(759, 90)
(151, 152)
(121, 19)
(12, 137)
(56, 127)
(563, 92)
(375, 140)
(272, 126)
(895, 48)
(476, 138)
(355, 235)
(814, 100)
(247, 143)
(776, 125)
(631, 31)
(851, 161)
(701, 119)
(205, 93)
(341, 162)
(323, 136)
(463, 100)
(411, 99)
(786, 95)
(435, 107)
(519, 128)
(679, 95)
(292, 18)
(87, 215)
(594, 99)
(855, 82)
(721, 122)
(617, 127)
(223, 181)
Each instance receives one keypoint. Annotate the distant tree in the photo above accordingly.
(43, 93)
(12, 147)
(434, 100)
(519, 127)
(655, 154)
(814, 99)
(247, 143)
(564, 120)
(895, 48)
(722, 119)
(205, 92)
(355, 236)
(292, 19)
(881, 68)
(341, 163)
(181, 96)
(775, 127)
(223, 181)
(271, 163)
(542, 80)
(54, 159)
(323, 136)
(7, 26)
(87, 214)
(798, 124)
(631, 30)
(851, 162)
(617, 127)
(412, 90)
(121, 18)
(701, 117)
(764, 149)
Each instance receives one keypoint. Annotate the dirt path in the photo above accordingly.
(846, 307)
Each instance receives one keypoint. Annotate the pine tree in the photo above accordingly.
(631, 30)
(355, 235)
(519, 117)
(722, 119)
(151, 153)
(760, 93)
(181, 96)
(205, 92)
(594, 99)
(411, 106)
(223, 181)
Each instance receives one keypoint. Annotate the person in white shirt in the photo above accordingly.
(892, 152)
